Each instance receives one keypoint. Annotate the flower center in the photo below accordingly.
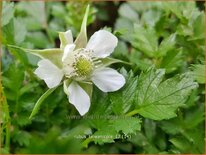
(83, 66)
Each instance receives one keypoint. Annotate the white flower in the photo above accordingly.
(83, 65)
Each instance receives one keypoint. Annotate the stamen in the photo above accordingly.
(83, 66)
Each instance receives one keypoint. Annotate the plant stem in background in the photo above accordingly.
(6, 118)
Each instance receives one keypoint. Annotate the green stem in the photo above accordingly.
(86, 142)
(6, 120)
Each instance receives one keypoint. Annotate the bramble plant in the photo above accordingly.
(150, 100)
(79, 64)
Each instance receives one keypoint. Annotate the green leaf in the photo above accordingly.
(40, 101)
(151, 17)
(198, 71)
(172, 60)
(186, 146)
(108, 129)
(100, 104)
(58, 10)
(167, 45)
(54, 55)
(8, 33)
(180, 125)
(198, 26)
(35, 14)
(38, 40)
(145, 40)
(7, 13)
(14, 32)
(13, 78)
(19, 31)
(123, 99)
(22, 137)
(81, 40)
(128, 125)
(157, 99)
(105, 135)
(126, 26)
(150, 129)
(177, 9)
(127, 12)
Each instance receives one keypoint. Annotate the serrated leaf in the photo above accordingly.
(172, 60)
(101, 105)
(40, 101)
(22, 137)
(198, 71)
(145, 40)
(105, 135)
(167, 44)
(157, 99)
(123, 99)
(128, 125)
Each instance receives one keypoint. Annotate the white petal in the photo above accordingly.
(79, 98)
(107, 79)
(69, 37)
(102, 43)
(50, 73)
(67, 50)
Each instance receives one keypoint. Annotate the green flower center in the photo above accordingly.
(83, 66)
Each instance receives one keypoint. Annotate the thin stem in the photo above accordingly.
(6, 121)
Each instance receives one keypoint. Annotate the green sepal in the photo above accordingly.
(109, 61)
(87, 86)
(62, 40)
(40, 101)
(81, 40)
(66, 85)
(54, 55)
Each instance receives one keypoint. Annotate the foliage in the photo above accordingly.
(160, 109)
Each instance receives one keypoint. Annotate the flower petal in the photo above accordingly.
(67, 50)
(107, 79)
(79, 98)
(102, 43)
(50, 73)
